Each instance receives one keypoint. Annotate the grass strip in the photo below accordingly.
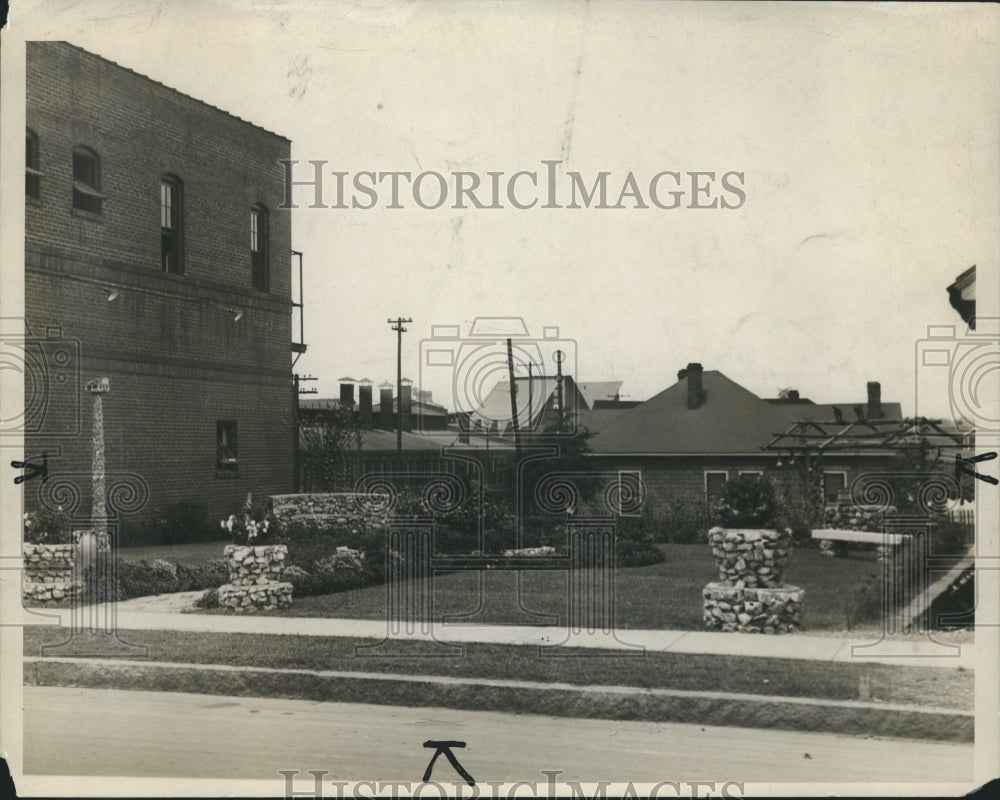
(550, 700)
(919, 686)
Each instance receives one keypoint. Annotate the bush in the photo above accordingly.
(950, 538)
(633, 553)
(191, 577)
(340, 572)
(208, 600)
(143, 578)
(303, 583)
(748, 501)
(47, 527)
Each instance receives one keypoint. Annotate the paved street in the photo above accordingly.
(110, 732)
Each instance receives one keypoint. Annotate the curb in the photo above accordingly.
(854, 718)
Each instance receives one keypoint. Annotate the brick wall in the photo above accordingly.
(177, 358)
(668, 480)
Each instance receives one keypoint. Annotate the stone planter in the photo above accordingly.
(255, 578)
(750, 557)
(255, 564)
(48, 573)
(761, 610)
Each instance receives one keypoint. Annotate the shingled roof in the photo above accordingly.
(731, 420)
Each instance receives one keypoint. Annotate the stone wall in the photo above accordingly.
(850, 517)
(48, 573)
(341, 508)
(255, 578)
(752, 610)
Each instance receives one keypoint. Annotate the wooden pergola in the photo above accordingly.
(868, 435)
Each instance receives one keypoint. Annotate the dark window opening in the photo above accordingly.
(227, 451)
(171, 226)
(86, 181)
(833, 484)
(32, 175)
(715, 482)
(258, 249)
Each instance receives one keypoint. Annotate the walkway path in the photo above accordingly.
(164, 612)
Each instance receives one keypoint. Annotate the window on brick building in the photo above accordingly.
(833, 484)
(32, 176)
(227, 450)
(87, 180)
(715, 482)
(258, 248)
(171, 225)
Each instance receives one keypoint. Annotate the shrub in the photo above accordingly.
(208, 600)
(208, 574)
(747, 502)
(950, 538)
(637, 553)
(47, 527)
(339, 572)
(303, 583)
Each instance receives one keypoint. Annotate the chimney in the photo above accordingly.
(793, 395)
(347, 392)
(874, 400)
(385, 406)
(406, 404)
(696, 395)
(365, 401)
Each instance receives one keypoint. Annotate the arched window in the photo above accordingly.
(87, 180)
(172, 224)
(32, 176)
(259, 267)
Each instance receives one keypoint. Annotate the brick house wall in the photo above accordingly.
(668, 480)
(177, 358)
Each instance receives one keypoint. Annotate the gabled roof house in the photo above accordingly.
(705, 429)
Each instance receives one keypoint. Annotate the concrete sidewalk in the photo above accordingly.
(164, 613)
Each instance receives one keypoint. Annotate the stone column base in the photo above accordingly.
(255, 597)
(752, 609)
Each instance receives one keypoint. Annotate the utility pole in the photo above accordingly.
(296, 458)
(559, 356)
(513, 401)
(397, 325)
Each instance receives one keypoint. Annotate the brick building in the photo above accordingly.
(705, 429)
(155, 248)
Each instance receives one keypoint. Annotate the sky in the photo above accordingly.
(865, 137)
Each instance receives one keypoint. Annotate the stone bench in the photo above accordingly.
(827, 536)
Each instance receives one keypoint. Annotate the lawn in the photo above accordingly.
(760, 676)
(662, 596)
